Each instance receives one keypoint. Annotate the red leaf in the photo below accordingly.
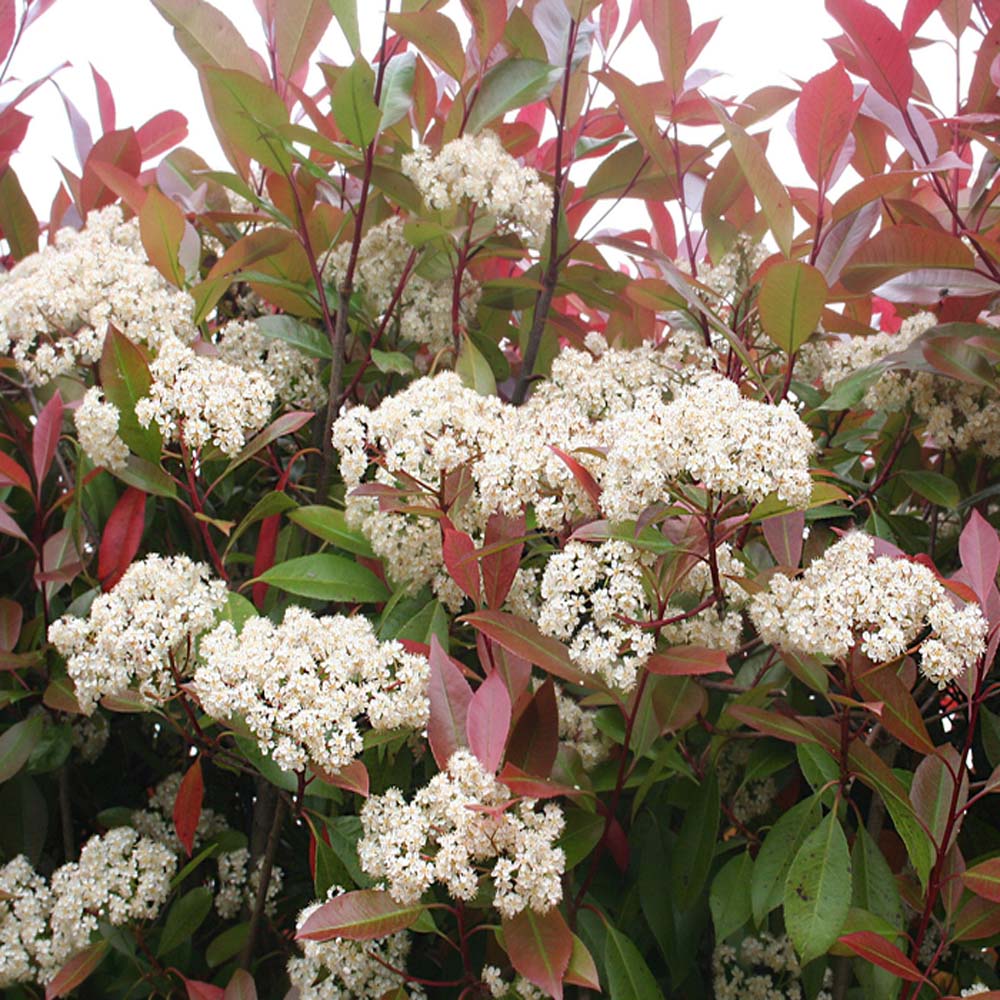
(581, 475)
(45, 438)
(11, 474)
(979, 548)
(121, 538)
(123, 184)
(534, 741)
(487, 723)
(105, 101)
(900, 712)
(688, 661)
(161, 132)
(500, 567)
(197, 990)
(241, 987)
(884, 954)
(917, 11)
(984, 879)
(824, 118)
(539, 946)
(784, 535)
(11, 617)
(529, 787)
(121, 150)
(524, 639)
(459, 553)
(668, 23)
(187, 806)
(359, 916)
(450, 695)
(352, 778)
(76, 970)
(8, 26)
(881, 50)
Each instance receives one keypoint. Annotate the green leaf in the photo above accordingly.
(768, 190)
(346, 13)
(397, 88)
(818, 890)
(248, 115)
(17, 218)
(436, 35)
(330, 524)
(729, 899)
(940, 490)
(873, 886)
(628, 974)
(146, 476)
(582, 832)
(791, 300)
(17, 743)
(511, 84)
(268, 505)
(184, 918)
(695, 847)
(125, 379)
(330, 870)
(474, 370)
(393, 362)
(848, 392)
(354, 108)
(326, 577)
(775, 857)
(229, 943)
(293, 331)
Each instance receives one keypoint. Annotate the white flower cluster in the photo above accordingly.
(975, 989)
(204, 399)
(97, 430)
(293, 376)
(302, 686)
(55, 305)
(151, 617)
(578, 731)
(121, 878)
(423, 435)
(518, 989)
(477, 170)
(888, 604)
(710, 434)
(340, 969)
(954, 414)
(749, 798)
(235, 891)
(572, 410)
(730, 278)
(584, 590)
(90, 735)
(454, 824)
(424, 305)
(763, 968)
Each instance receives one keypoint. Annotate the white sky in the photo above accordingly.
(758, 42)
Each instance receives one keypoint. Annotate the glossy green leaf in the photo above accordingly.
(185, 917)
(308, 339)
(729, 899)
(511, 84)
(354, 108)
(780, 846)
(933, 486)
(397, 88)
(696, 842)
(17, 743)
(330, 524)
(817, 891)
(791, 300)
(326, 577)
(628, 974)
(17, 218)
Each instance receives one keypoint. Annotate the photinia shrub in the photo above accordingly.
(496, 537)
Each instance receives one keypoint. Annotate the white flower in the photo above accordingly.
(709, 434)
(204, 400)
(455, 824)
(97, 430)
(303, 686)
(140, 631)
(585, 588)
(479, 171)
(888, 604)
(26, 949)
(56, 305)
